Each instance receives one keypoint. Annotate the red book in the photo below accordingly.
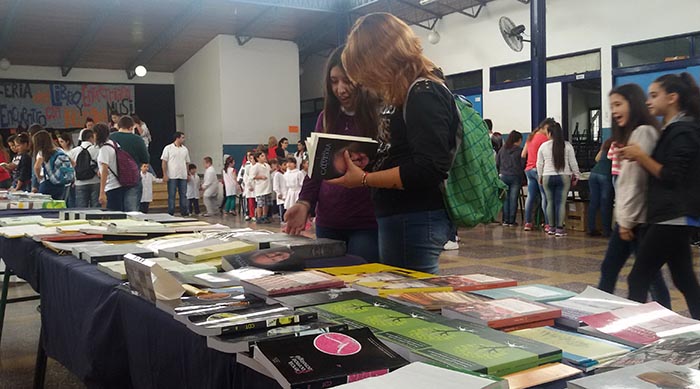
(469, 282)
(502, 313)
(638, 325)
(71, 237)
(291, 283)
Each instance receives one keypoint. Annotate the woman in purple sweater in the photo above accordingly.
(341, 213)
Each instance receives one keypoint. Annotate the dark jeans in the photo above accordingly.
(57, 192)
(194, 205)
(616, 256)
(70, 197)
(510, 203)
(601, 197)
(180, 186)
(143, 207)
(535, 197)
(115, 199)
(87, 196)
(363, 243)
(414, 240)
(557, 189)
(671, 245)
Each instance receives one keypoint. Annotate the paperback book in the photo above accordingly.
(373, 272)
(535, 292)
(681, 350)
(112, 252)
(470, 282)
(648, 375)
(216, 251)
(240, 343)
(291, 283)
(277, 259)
(236, 320)
(228, 278)
(328, 359)
(326, 153)
(588, 302)
(419, 335)
(296, 301)
(508, 312)
(638, 325)
(209, 302)
(314, 248)
(583, 351)
(435, 301)
(385, 288)
(264, 241)
(540, 375)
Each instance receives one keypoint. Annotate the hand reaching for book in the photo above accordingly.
(296, 217)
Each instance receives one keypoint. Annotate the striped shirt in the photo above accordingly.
(612, 156)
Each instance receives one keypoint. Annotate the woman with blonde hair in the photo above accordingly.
(417, 132)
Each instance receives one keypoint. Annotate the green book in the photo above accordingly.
(419, 335)
(535, 292)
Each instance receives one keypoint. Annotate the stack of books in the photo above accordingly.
(507, 314)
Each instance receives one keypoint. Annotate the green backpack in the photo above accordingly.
(473, 191)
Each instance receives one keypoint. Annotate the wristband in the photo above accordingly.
(364, 179)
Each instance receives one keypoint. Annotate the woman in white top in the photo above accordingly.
(558, 171)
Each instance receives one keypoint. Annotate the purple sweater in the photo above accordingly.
(338, 207)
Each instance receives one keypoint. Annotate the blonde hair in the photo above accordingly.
(383, 54)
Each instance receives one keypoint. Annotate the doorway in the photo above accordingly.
(583, 119)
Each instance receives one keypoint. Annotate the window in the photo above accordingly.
(510, 73)
(577, 64)
(659, 51)
(467, 80)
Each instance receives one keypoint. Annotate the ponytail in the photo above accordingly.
(686, 88)
(558, 146)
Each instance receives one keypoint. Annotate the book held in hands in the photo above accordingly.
(326, 153)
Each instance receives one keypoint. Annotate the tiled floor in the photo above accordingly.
(530, 257)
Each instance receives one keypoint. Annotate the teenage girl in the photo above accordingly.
(510, 170)
(535, 191)
(632, 123)
(673, 201)
(557, 170)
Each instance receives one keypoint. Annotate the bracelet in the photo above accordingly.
(364, 179)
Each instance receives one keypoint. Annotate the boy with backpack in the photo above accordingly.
(87, 182)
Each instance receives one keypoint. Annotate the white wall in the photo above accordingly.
(259, 90)
(46, 73)
(469, 44)
(197, 99)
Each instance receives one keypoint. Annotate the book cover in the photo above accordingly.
(578, 349)
(372, 272)
(208, 303)
(639, 325)
(277, 259)
(419, 335)
(588, 302)
(523, 326)
(112, 252)
(424, 375)
(314, 248)
(264, 241)
(385, 288)
(236, 320)
(326, 159)
(214, 251)
(100, 215)
(21, 220)
(70, 237)
(227, 278)
(291, 283)
(535, 292)
(681, 350)
(648, 375)
(435, 301)
(173, 250)
(316, 298)
(239, 343)
(501, 313)
(540, 375)
(470, 282)
(328, 359)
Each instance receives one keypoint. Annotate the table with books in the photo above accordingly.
(263, 322)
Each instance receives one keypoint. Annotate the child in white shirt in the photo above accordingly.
(210, 188)
(193, 188)
(147, 180)
(260, 174)
(230, 185)
(249, 188)
(293, 178)
(279, 186)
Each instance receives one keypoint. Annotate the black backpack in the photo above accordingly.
(85, 166)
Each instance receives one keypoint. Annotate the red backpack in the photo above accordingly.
(127, 170)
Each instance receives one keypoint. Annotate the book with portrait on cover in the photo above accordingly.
(326, 159)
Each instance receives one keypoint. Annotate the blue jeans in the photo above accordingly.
(179, 185)
(615, 257)
(414, 240)
(115, 199)
(87, 196)
(535, 194)
(132, 197)
(57, 192)
(363, 243)
(556, 188)
(70, 197)
(510, 203)
(601, 197)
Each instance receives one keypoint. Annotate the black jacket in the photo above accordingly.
(676, 193)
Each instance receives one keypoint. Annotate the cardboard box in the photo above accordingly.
(577, 216)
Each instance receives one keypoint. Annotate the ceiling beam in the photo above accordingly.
(242, 35)
(414, 6)
(8, 25)
(357, 4)
(305, 5)
(87, 37)
(475, 9)
(307, 40)
(175, 27)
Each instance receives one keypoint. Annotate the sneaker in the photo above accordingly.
(247, 218)
(451, 245)
(560, 232)
(547, 227)
(528, 227)
(551, 231)
(504, 224)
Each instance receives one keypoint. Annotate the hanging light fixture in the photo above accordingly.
(140, 71)
(433, 37)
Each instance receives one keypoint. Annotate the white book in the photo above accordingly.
(588, 302)
(649, 375)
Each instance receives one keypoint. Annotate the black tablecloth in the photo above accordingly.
(20, 256)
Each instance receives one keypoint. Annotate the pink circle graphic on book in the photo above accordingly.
(334, 343)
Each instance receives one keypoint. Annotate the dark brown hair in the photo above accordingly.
(43, 144)
(125, 122)
(639, 114)
(558, 146)
(208, 160)
(101, 133)
(366, 106)
(513, 138)
(687, 89)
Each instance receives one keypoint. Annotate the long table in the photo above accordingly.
(110, 338)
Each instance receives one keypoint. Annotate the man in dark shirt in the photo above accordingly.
(134, 145)
(23, 172)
